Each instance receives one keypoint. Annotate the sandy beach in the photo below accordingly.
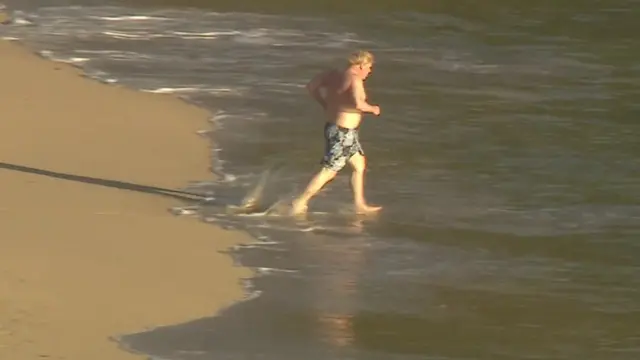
(88, 252)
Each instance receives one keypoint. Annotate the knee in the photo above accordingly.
(328, 173)
(360, 165)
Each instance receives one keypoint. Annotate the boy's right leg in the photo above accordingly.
(299, 205)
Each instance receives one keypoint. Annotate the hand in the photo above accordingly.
(376, 110)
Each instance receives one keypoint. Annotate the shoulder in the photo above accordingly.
(355, 81)
(347, 76)
(325, 74)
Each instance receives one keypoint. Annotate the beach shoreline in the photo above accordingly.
(90, 250)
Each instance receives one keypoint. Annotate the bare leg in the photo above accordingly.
(358, 163)
(299, 205)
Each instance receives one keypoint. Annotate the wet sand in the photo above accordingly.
(87, 252)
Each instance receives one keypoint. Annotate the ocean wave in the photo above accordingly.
(268, 270)
(188, 90)
(202, 35)
(129, 18)
(131, 36)
(115, 54)
(47, 54)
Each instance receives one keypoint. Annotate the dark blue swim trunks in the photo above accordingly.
(340, 145)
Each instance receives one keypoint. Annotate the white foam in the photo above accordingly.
(259, 244)
(46, 54)
(74, 60)
(130, 36)
(267, 270)
(200, 35)
(71, 60)
(209, 35)
(101, 76)
(20, 19)
(98, 51)
(292, 228)
(188, 89)
(169, 90)
(255, 245)
(252, 295)
(220, 115)
(204, 132)
(255, 214)
(182, 211)
(228, 177)
(128, 18)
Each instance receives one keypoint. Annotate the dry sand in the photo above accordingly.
(81, 262)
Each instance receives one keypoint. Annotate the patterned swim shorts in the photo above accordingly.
(341, 145)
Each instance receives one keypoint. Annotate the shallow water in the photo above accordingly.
(506, 159)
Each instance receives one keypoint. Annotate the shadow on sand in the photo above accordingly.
(175, 194)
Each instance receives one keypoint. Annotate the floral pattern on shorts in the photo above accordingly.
(341, 145)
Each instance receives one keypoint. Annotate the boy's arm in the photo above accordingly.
(360, 97)
(315, 85)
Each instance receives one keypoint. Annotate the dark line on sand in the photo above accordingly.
(176, 194)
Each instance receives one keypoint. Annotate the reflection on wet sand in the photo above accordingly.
(334, 302)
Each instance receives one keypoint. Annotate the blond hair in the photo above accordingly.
(360, 58)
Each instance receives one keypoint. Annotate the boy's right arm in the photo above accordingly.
(360, 98)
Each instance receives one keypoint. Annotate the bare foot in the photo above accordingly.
(298, 207)
(367, 209)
